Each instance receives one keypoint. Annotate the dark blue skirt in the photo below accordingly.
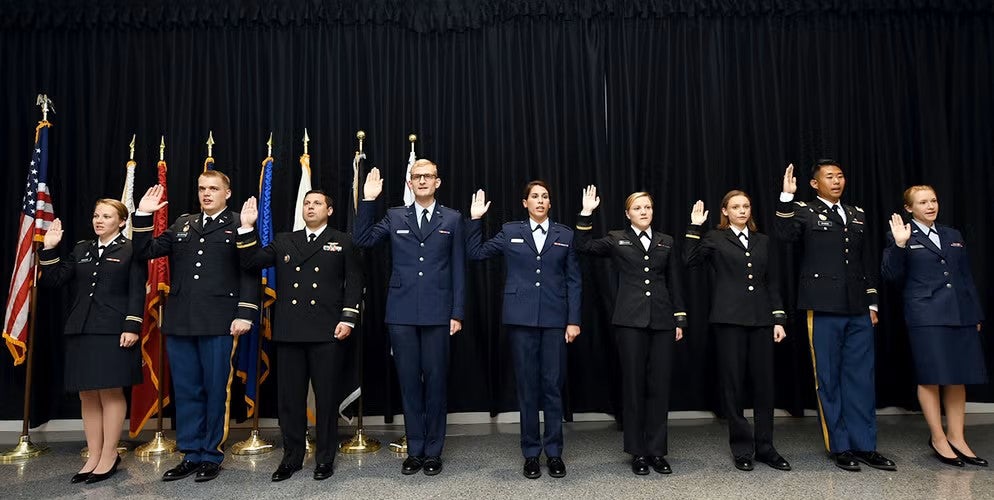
(947, 355)
(95, 361)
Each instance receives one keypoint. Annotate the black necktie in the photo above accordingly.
(207, 221)
(311, 237)
(424, 217)
(745, 239)
(838, 211)
(100, 250)
(539, 227)
(645, 235)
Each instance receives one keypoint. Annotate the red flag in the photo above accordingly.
(36, 217)
(145, 397)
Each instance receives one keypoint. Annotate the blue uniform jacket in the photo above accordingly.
(938, 284)
(427, 283)
(542, 287)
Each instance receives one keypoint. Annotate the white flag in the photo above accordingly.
(128, 196)
(408, 194)
(302, 189)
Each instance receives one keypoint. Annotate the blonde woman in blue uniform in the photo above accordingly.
(102, 328)
(943, 314)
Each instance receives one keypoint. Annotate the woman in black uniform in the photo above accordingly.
(102, 329)
(648, 320)
(747, 317)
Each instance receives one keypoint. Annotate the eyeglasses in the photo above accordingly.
(427, 177)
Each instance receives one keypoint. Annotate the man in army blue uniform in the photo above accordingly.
(838, 291)
(211, 302)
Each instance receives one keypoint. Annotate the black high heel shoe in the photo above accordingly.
(955, 462)
(79, 478)
(96, 478)
(970, 460)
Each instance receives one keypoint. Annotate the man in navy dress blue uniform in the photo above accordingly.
(838, 290)
(541, 311)
(425, 303)
(211, 302)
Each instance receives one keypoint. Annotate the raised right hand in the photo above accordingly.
(479, 206)
(590, 200)
(900, 230)
(54, 235)
(697, 214)
(152, 200)
(789, 181)
(249, 213)
(373, 186)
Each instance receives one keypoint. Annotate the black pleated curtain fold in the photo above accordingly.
(685, 100)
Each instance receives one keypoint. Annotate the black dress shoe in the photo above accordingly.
(531, 469)
(660, 465)
(970, 460)
(432, 466)
(284, 472)
(954, 461)
(846, 461)
(185, 468)
(80, 477)
(96, 478)
(557, 468)
(412, 465)
(875, 460)
(640, 466)
(777, 462)
(324, 471)
(208, 471)
(743, 463)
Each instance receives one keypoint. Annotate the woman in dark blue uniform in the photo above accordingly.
(648, 320)
(943, 315)
(747, 317)
(102, 329)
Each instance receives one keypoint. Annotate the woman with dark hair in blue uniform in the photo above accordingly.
(102, 329)
(541, 312)
(649, 318)
(943, 314)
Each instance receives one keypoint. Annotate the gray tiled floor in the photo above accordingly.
(482, 461)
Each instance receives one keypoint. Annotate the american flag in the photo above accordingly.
(36, 217)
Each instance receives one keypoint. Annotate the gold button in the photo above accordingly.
(313, 302)
(295, 285)
(316, 269)
(314, 285)
(294, 301)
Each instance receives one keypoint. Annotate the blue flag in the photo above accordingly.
(249, 348)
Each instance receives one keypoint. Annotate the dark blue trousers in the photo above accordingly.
(539, 365)
(421, 354)
(201, 372)
(842, 353)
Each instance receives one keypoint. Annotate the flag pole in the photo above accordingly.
(25, 449)
(160, 444)
(399, 446)
(255, 444)
(359, 442)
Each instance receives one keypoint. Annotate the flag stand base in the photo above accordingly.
(254, 445)
(309, 445)
(159, 445)
(399, 446)
(360, 443)
(24, 450)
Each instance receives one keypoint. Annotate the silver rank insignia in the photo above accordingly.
(822, 217)
(186, 227)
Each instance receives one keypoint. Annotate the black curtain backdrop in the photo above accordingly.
(685, 99)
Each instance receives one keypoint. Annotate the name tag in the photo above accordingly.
(180, 236)
(916, 247)
(87, 259)
(624, 242)
(558, 244)
(517, 240)
(857, 221)
(403, 231)
(956, 244)
(824, 223)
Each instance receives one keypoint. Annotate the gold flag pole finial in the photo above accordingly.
(131, 154)
(210, 143)
(162, 148)
(361, 135)
(269, 145)
(46, 106)
(412, 138)
(306, 140)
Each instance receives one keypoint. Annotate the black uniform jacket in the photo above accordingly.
(744, 288)
(208, 287)
(109, 290)
(318, 284)
(650, 293)
(838, 272)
